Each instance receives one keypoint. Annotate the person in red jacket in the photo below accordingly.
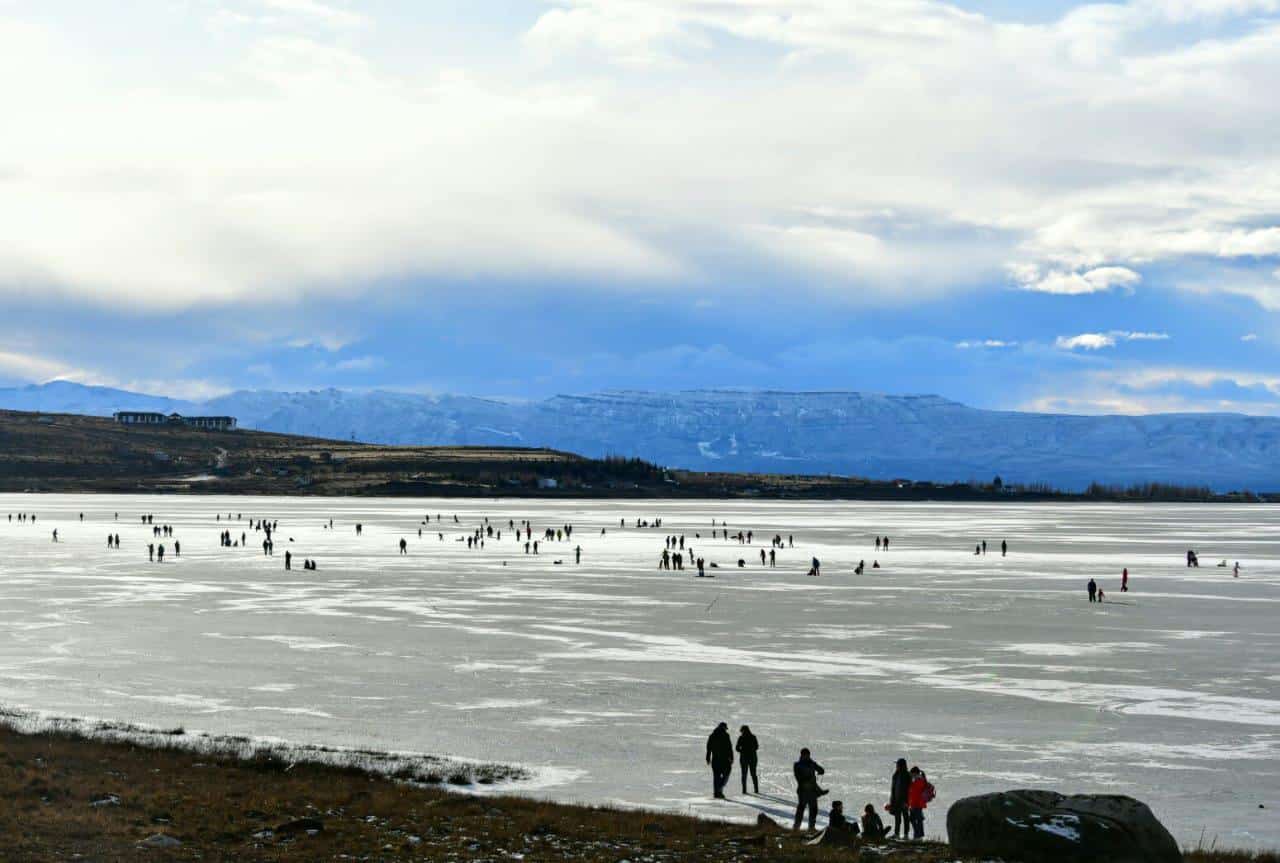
(918, 797)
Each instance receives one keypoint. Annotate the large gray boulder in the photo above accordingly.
(1046, 826)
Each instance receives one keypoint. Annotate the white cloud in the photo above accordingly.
(658, 142)
(1164, 389)
(986, 343)
(1087, 341)
(1249, 337)
(1098, 341)
(1092, 281)
(328, 14)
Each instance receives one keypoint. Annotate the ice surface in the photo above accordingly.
(606, 677)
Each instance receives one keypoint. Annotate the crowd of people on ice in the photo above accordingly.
(910, 791)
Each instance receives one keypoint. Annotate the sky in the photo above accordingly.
(1037, 206)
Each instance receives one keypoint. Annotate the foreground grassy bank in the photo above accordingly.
(67, 797)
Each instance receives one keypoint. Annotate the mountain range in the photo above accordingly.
(920, 437)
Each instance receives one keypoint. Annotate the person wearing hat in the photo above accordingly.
(720, 757)
(899, 786)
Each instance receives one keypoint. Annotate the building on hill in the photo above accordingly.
(139, 418)
(133, 418)
(215, 423)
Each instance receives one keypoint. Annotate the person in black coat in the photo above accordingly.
(899, 785)
(720, 757)
(808, 791)
(748, 747)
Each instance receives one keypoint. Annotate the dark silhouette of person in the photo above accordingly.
(404, 546)
(720, 757)
(807, 771)
(577, 555)
(748, 748)
(1093, 590)
(872, 827)
(288, 559)
(899, 785)
(1124, 580)
(840, 830)
(1004, 547)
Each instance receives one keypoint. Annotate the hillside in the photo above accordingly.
(62, 452)
(815, 433)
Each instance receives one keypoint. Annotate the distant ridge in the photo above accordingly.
(923, 437)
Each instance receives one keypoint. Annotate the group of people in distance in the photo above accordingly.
(910, 791)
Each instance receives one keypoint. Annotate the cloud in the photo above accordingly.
(1164, 389)
(1087, 341)
(1092, 281)
(666, 144)
(985, 343)
(1098, 341)
(323, 12)
(1249, 337)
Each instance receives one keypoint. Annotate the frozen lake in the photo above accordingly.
(988, 672)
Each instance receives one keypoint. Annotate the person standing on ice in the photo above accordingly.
(1004, 548)
(748, 748)
(807, 771)
(577, 555)
(919, 795)
(899, 786)
(404, 546)
(1124, 580)
(720, 757)
(1093, 590)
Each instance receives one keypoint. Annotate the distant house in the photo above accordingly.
(148, 418)
(216, 423)
(139, 418)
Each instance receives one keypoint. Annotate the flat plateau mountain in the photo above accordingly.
(918, 437)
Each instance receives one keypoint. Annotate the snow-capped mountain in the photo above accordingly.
(882, 436)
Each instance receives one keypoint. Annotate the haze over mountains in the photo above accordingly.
(881, 436)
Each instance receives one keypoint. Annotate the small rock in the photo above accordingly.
(300, 825)
(160, 840)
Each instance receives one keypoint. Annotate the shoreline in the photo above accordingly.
(72, 795)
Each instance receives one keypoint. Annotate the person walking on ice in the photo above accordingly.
(748, 748)
(720, 757)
